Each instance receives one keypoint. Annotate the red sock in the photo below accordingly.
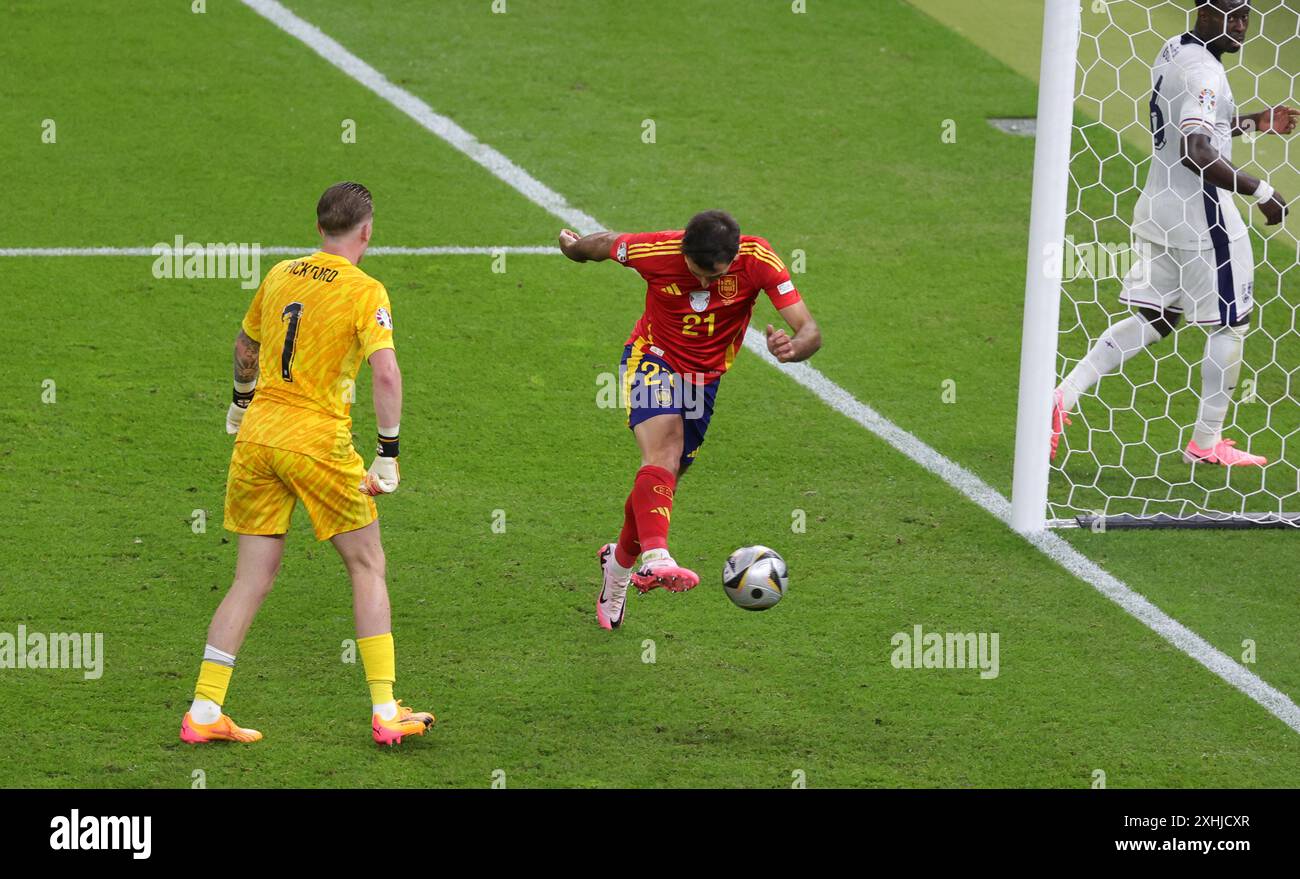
(628, 547)
(652, 504)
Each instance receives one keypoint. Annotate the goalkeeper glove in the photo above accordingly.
(240, 398)
(382, 477)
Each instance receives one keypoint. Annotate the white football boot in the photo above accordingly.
(611, 601)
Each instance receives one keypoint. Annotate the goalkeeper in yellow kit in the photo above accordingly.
(311, 323)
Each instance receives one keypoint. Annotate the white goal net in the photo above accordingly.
(1121, 460)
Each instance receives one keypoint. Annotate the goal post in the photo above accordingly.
(1043, 275)
(1121, 463)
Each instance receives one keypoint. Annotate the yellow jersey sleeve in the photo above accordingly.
(252, 323)
(374, 321)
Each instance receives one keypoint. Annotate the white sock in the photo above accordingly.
(1111, 350)
(387, 711)
(655, 555)
(1219, 372)
(205, 711)
(220, 657)
(618, 572)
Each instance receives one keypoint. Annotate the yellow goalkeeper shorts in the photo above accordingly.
(264, 483)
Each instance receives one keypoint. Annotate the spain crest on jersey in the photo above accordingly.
(700, 300)
(728, 287)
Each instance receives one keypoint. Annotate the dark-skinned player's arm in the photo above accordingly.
(587, 248)
(807, 335)
(1200, 157)
(1275, 120)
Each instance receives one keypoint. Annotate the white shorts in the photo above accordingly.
(1214, 286)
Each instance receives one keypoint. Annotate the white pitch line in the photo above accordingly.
(1271, 699)
(280, 250)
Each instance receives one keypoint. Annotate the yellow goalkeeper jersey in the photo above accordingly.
(316, 319)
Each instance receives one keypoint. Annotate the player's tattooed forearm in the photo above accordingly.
(246, 351)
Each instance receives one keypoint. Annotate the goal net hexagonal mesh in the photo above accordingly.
(1123, 454)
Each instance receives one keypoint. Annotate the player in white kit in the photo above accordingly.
(1197, 261)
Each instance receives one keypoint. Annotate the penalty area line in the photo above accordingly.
(967, 483)
(433, 122)
(281, 250)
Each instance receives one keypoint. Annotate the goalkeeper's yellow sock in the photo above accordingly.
(379, 659)
(210, 691)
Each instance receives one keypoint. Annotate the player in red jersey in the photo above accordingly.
(701, 285)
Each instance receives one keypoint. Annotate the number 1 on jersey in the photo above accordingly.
(293, 311)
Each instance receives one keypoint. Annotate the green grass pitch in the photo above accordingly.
(821, 132)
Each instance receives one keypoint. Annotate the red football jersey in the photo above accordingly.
(698, 330)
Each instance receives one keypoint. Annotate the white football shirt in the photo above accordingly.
(1177, 208)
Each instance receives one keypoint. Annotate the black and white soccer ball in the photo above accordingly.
(755, 577)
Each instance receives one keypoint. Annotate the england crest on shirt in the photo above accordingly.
(699, 300)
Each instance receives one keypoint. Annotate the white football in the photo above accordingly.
(755, 577)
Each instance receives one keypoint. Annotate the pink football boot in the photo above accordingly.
(1224, 453)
